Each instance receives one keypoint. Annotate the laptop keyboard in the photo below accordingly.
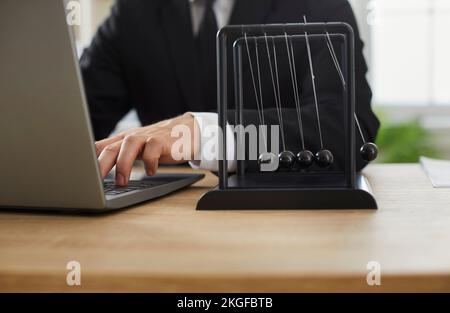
(112, 190)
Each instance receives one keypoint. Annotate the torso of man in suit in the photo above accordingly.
(145, 57)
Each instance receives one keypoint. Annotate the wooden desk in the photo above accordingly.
(166, 245)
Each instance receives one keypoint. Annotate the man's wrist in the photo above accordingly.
(191, 122)
(209, 134)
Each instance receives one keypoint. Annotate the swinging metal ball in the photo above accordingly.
(305, 158)
(324, 158)
(287, 159)
(266, 158)
(369, 151)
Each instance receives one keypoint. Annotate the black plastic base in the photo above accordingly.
(290, 199)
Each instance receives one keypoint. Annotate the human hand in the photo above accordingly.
(152, 144)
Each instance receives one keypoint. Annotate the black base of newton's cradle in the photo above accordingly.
(291, 199)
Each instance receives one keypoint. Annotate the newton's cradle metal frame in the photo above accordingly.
(289, 189)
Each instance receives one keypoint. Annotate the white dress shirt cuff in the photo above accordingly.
(210, 133)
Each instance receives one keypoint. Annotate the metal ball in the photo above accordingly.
(287, 159)
(369, 151)
(266, 158)
(324, 158)
(305, 158)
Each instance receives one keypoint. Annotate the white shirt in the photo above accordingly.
(222, 9)
(209, 121)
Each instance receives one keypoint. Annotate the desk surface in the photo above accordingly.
(166, 245)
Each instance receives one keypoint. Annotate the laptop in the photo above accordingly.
(47, 154)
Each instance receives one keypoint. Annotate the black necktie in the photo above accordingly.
(206, 44)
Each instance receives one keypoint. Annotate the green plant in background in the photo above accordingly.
(404, 142)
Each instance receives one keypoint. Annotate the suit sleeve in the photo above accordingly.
(103, 76)
(329, 90)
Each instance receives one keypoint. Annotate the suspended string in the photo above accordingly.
(369, 150)
(292, 68)
(275, 58)
(335, 59)
(276, 91)
(313, 79)
(258, 96)
(298, 97)
(260, 89)
(360, 130)
(261, 117)
(258, 67)
(339, 70)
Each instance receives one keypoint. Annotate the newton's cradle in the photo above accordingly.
(295, 185)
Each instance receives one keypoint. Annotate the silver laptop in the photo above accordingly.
(47, 155)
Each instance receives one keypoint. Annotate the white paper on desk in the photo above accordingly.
(438, 171)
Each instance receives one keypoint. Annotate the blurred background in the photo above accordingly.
(408, 51)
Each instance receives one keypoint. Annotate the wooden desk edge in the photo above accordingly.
(190, 283)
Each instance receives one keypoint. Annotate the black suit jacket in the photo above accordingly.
(143, 57)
